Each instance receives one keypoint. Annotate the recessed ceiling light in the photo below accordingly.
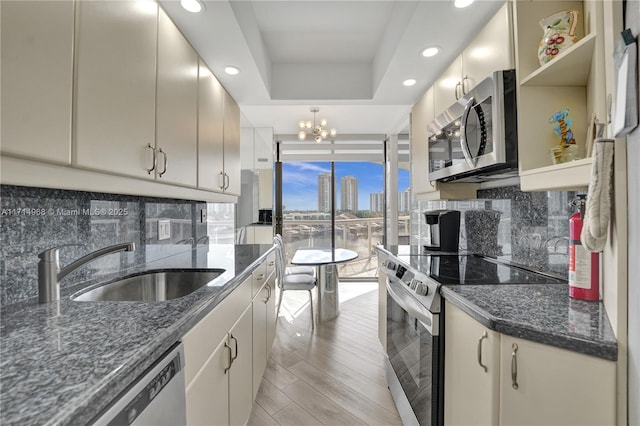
(193, 6)
(231, 70)
(430, 51)
(409, 82)
(462, 3)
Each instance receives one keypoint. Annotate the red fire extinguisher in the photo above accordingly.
(584, 267)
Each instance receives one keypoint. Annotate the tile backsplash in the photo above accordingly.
(35, 219)
(526, 228)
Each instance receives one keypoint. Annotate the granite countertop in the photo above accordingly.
(542, 313)
(63, 362)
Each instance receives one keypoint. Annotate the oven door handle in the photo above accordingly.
(413, 307)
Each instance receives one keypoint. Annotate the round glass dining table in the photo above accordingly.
(325, 260)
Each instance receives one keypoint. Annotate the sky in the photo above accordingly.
(300, 182)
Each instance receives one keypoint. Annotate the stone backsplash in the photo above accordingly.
(35, 219)
(526, 228)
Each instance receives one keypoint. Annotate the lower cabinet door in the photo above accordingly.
(471, 371)
(259, 337)
(271, 315)
(241, 373)
(208, 392)
(544, 385)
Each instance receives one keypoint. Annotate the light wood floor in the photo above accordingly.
(333, 375)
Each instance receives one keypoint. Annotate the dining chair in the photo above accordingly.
(292, 281)
(308, 270)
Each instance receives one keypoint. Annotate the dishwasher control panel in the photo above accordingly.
(155, 398)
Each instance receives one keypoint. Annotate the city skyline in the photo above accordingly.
(300, 182)
(376, 201)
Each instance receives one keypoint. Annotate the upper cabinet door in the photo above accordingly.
(231, 144)
(37, 73)
(210, 133)
(116, 45)
(422, 114)
(177, 106)
(448, 87)
(491, 50)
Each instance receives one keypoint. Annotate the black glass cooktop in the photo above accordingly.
(477, 270)
(470, 269)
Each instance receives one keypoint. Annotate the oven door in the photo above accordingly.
(415, 357)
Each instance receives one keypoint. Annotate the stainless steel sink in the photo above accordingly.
(154, 286)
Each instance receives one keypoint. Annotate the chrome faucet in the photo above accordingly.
(50, 274)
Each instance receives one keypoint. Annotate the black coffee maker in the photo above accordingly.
(444, 230)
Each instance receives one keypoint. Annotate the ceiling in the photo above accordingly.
(349, 58)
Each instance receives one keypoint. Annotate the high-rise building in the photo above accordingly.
(404, 201)
(376, 201)
(349, 193)
(324, 192)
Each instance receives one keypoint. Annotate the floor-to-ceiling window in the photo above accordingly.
(339, 200)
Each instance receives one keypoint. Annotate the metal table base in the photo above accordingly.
(328, 302)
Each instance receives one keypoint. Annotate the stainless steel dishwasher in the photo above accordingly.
(156, 398)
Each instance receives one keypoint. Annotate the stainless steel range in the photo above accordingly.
(414, 344)
(415, 328)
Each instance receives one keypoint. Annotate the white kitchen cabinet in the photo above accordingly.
(471, 370)
(544, 385)
(207, 395)
(209, 350)
(491, 50)
(447, 89)
(240, 372)
(210, 130)
(263, 322)
(422, 114)
(271, 303)
(220, 393)
(574, 80)
(115, 66)
(525, 383)
(36, 105)
(227, 351)
(259, 336)
(177, 106)
(231, 137)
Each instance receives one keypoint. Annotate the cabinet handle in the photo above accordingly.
(465, 78)
(514, 366)
(164, 167)
(235, 343)
(221, 180)
(271, 263)
(227, 181)
(484, 336)
(153, 161)
(260, 277)
(268, 288)
(458, 84)
(229, 358)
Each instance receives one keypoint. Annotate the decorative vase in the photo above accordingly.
(559, 33)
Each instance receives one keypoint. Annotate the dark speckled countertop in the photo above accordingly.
(539, 312)
(63, 362)
(542, 313)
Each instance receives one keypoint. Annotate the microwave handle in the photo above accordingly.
(464, 145)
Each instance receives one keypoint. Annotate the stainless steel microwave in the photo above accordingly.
(476, 139)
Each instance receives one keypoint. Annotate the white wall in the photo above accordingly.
(633, 198)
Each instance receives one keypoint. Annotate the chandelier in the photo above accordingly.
(315, 130)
